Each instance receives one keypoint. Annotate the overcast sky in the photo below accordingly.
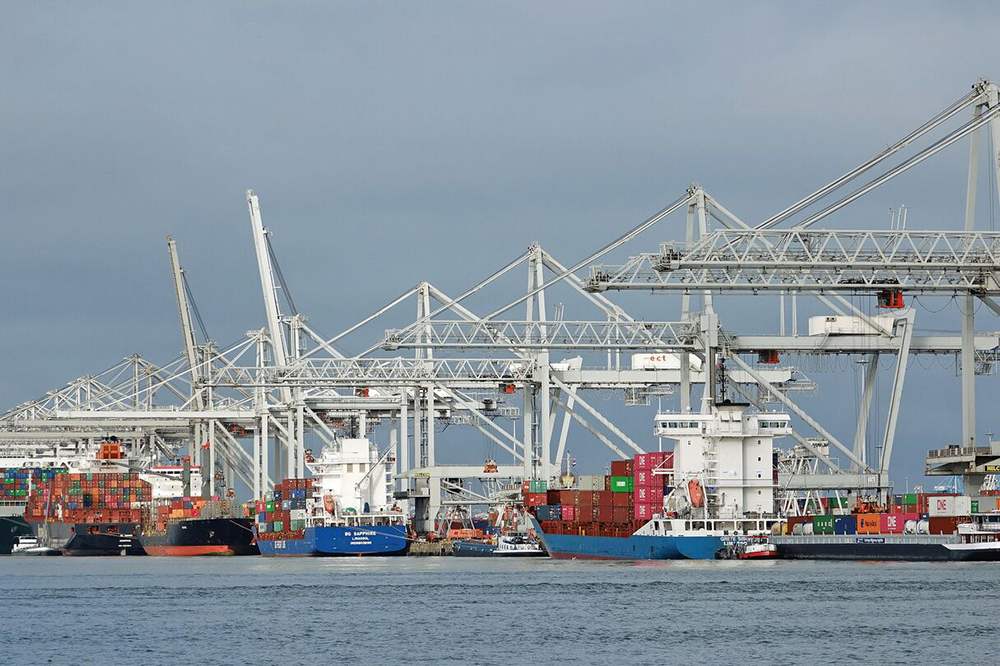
(397, 142)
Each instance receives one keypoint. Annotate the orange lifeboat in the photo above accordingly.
(695, 493)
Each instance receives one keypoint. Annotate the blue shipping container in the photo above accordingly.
(845, 525)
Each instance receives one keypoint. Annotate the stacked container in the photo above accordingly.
(111, 497)
(282, 513)
(649, 483)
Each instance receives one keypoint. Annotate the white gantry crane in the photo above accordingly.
(249, 411)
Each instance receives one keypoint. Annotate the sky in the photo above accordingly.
(392, 143)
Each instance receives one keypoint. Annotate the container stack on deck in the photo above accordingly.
(17, 483)
(615, 505)
(87, 498)
(282, 513)
(943, 512)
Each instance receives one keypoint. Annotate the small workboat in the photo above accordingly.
(505, 546)
(759, 551)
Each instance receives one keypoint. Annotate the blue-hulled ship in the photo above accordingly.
(346, 509)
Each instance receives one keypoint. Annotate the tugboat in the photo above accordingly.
(347, 509)
(29, 545)
(507, 545)
(759, 551)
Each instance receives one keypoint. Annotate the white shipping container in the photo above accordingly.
(951, 505)
(591, 482)
(847, 325)
(664, 361)
(298, 514)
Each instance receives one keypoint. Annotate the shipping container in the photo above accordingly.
(621, 484)
(845, 525)
(621, 468)
(949, 505)
(644, 511)
(942, 524)
(591, 482)
(535, 499)
(823, 524)
(868, 523)
(891, 523)
(568, 512)
(648, 495)
(622, 514)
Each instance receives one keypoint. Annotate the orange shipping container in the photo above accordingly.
(869, 523)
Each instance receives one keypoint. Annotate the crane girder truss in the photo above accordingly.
(524, 335)
(816, 260)
(300, 382)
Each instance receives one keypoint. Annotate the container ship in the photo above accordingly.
(108, 511)
(345, 509)
(92, 513)
(195, 526)
(14, 487)
(715, 487)
(924, 527)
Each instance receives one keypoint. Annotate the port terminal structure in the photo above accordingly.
(245, 411)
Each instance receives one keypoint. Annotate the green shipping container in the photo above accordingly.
(539, 486)
(910, 499)
(975, 506)
(823, 524)
(277, 526)
(622, 484)
(835, 503)
(270, 507)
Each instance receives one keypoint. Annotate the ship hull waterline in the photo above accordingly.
(336, 541)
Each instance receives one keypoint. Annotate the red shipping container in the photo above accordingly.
(942, 524)
(606, 497)
(621, 468)
(567, 497)
(649, 495)
(568, 512)
(552, 497)
(621, 514)
(642, 462)
(605, 514)
(535, 499)
(644, 478)
(621, 499)
(891, 523)
(662, 460)
(526, 488)
(643, 511)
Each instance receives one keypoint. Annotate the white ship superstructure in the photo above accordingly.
(728, 454)
(355, 477)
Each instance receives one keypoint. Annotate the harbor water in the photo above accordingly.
(252, 610)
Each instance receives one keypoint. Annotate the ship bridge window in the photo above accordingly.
(350, 467)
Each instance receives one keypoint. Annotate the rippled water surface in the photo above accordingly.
(424, 610)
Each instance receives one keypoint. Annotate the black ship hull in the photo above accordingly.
(889, 549)
(11, 529)
(104, 539)
(202, 536)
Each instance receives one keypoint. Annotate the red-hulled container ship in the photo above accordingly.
(194, 526)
